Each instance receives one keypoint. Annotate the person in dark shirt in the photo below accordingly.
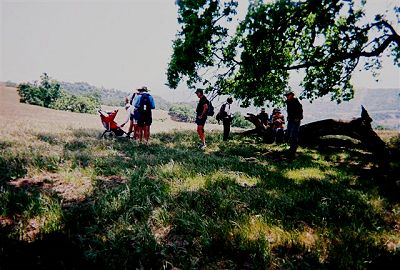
(263, 116)
(226, 115)
(294, 116)
(201, 117)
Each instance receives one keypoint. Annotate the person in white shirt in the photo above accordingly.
(132, 114)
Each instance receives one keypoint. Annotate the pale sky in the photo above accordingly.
(114, 44)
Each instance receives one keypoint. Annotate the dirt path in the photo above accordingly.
(16, 116)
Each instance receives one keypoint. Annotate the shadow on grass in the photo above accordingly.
(151, 221)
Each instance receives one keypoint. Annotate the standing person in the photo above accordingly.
(144, 103)
(225, 114)
(129, 101)
(201, 116)
(294, 116)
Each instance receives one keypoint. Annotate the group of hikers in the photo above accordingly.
(140, 104)
(274, 123)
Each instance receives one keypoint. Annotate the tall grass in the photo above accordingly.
(237, 205)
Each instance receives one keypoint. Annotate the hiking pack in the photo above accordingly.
(144, 104)
(210, 111)
(222, 113)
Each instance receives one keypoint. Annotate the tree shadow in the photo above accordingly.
(115, 226)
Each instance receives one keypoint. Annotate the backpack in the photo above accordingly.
(144, 104)
(222, 111)
(210, 111)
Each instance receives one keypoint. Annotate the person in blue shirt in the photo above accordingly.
(144, 103)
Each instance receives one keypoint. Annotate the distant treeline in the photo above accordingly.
(49, 93)
(110, 97)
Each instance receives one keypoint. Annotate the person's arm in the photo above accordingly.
(152, 102)
(205, 110)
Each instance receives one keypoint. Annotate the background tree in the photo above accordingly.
(44, 93)
(324, 38)
(48, 93)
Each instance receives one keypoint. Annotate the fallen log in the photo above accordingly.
(312, 133)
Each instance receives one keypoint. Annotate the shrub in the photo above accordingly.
(238, 120)
(82, 104)
(182, 113)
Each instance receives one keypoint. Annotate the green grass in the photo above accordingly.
(75, 201)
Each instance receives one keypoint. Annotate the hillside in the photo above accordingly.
(18, 116)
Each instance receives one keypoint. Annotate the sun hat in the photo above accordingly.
(143, 89)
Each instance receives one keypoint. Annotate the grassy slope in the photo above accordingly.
(69, 200)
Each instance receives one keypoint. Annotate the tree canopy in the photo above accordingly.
(324, 38)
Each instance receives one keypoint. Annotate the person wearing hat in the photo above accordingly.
(144, 103)
(294, 116)
(225, 114)
(201, 116)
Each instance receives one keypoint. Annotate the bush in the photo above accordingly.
(182, 113)
(238, 120)
(72, 103)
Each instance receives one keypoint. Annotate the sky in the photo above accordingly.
(110, 43)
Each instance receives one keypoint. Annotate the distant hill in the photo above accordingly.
(383, 105)
(110, 97)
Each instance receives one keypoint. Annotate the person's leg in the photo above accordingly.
(130, 128)
(135, 132)
(137, 123)
(140, 133)
(279, 136)
(293, 137)
(202, 135)
(146, 129)
(289, 131)
(227, 124)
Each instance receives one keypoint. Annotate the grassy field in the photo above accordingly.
(69, 200)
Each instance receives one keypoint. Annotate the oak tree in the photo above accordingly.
(326, 39)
